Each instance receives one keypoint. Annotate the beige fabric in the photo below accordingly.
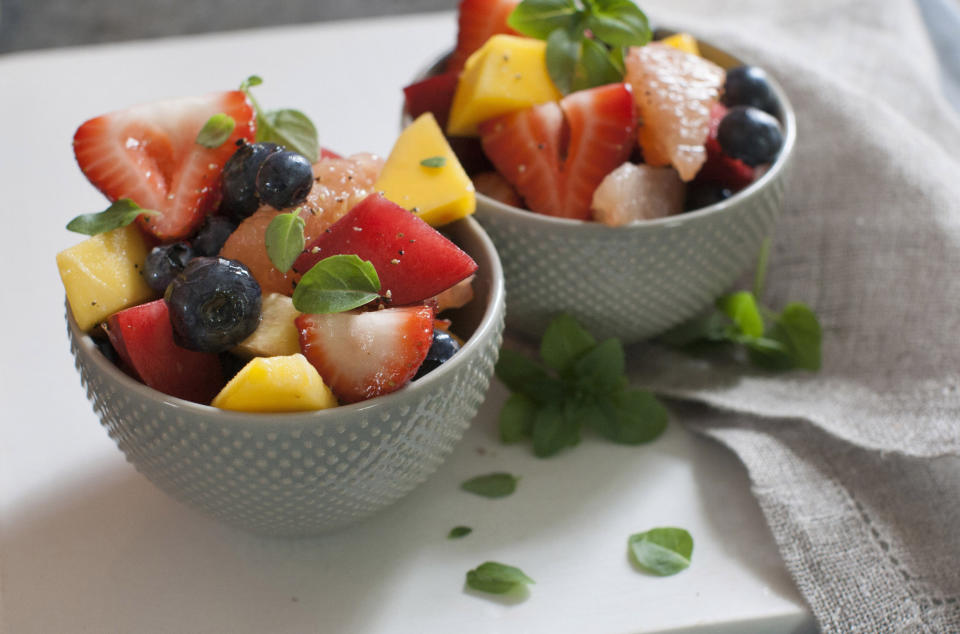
(855, 467)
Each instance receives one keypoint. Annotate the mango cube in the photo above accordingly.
(276, 384)
(277, 335)
(440, 190)
(683, 42)
(102, 275)
(507, 73)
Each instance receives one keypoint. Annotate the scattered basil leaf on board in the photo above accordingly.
(216, 131)
(582, 385)
(492, 485)
(336, 284)
(459, 531)
(496, 578)
(287, 127)
(662, 551)
(434, 161)
(119, 214)
(284, 239)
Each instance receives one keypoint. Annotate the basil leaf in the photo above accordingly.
(336, 284)
(600, 371)
(618, 23)
(285, 240)
(290, 128)
(563, 50)
(459, 531)
(516, 417)
(496, 578)
(741, 308)
(216, 131)
(563, 342)
(616, 55)
(798, 329)
(520, 374)
(119, 214)
(638, 416)
(539, 18)
(594, 67)
(250, 82)
(662, 551)
(554, 428)
(434, 161)
(492, 485)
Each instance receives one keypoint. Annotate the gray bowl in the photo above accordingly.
(305, 473)
(639, 280)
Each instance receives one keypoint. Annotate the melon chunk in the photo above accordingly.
(102, 275)
(276, 384)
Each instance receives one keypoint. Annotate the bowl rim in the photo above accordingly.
(596, 229)
(489, 322)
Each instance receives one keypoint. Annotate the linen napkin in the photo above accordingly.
(854, 467)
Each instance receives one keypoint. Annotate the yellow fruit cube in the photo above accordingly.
(102, 275)
(276, 384)
(684, 42)
(277, 335)
(507, 73)
(440, 190)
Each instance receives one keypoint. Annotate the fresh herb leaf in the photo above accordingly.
(540, 18)
(594, 68)
(553, 429)
(563, 50)
(564, 341)
(742, 309)
(434, 161)
(600, 371)
(491, 485)
(459, 531)
(639, 417)
(287, 127)
(798, 329)
(119, 214)
(662, 551)
(618, 22)
(336, 284)
(516, 418)
(496, 578)
(525, 376)
(285, 240)
(216, 130)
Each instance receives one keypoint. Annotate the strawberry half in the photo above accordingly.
(149, 153)
(478, 21)
(361, 355)
(556, 154)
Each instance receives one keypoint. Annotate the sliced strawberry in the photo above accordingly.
(365, 354)
(478, 21)
(433, 94)
(720, 169)
(413, 260)
(556, 154)
(143, 338)
(149, 153)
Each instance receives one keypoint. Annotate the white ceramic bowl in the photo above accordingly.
(305, 473)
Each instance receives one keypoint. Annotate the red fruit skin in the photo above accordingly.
(359, 363)
(720, 169)
(478, 21)
(433, 94)
(556, 155)
(143, 338)
(149, 153)
(325, 153)
(413, 260)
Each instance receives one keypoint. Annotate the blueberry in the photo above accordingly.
(701, 195)
(750, 134)
(164, 263)
(214, 232)
(240, 179)
(214, 304)
(443, 347)
(749, 86)
(284, 179)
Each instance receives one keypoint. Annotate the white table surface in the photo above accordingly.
(88, 545)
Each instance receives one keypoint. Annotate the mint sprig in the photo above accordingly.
(284, 239)
(336, 284)
(287, 127)
(582, 385)
(586, 40)
(119, 214)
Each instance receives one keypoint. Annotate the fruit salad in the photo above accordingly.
(572, 111)
(241, 265)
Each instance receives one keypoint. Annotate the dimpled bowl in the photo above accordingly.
(303, 474)
(639, 280)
